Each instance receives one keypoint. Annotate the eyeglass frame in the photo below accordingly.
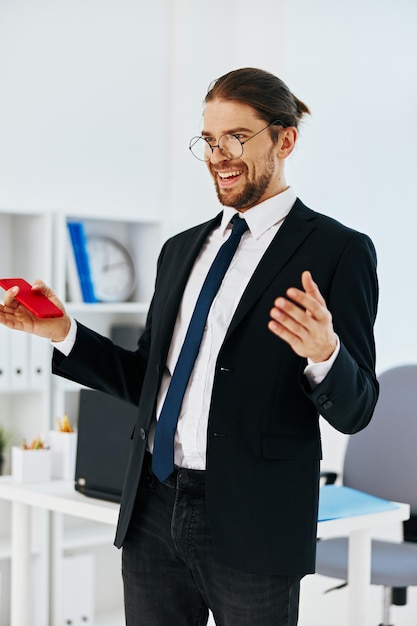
(197, 137)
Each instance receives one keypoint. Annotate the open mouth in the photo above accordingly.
(226, 179)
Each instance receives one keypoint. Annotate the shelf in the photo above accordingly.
(142, 238)
(22, 392)
(99, 308)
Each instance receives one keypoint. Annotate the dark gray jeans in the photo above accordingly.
(172, 575)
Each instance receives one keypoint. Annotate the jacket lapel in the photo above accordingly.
(296, 228)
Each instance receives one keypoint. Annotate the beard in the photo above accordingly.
(252, 191)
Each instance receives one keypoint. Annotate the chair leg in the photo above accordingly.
(386, 607)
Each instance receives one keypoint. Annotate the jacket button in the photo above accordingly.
(328, 405)
(142, 433)
(322, 399)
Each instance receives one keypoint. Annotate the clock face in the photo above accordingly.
(112, 269)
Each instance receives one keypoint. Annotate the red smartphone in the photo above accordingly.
(34, 301)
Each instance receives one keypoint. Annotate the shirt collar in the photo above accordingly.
(263, 216)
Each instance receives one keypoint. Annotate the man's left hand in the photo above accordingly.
(303, 320)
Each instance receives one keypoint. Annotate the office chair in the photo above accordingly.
(382, 460)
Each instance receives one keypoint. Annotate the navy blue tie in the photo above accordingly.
(163, 452)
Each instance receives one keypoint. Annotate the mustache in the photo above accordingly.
(230, 166)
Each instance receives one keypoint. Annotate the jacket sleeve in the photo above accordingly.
(347, 396)
(96, 362)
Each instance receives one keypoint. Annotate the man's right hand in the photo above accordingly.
(15, 315)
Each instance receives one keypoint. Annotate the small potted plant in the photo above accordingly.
(5, 437)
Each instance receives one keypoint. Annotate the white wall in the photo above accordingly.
(83, 93)
(210, 39)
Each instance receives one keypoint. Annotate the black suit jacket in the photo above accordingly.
(263, 445)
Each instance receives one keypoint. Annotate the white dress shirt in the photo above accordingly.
(263, 221)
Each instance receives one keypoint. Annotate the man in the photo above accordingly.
(221, 512)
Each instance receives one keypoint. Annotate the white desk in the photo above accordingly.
(59, 496)
(55, 496)
(359, 528)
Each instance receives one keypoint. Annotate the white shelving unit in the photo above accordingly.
(26, 251)
(34, 245)
(143, 239)
(25, 393)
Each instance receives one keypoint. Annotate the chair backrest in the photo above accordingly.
(382, 458)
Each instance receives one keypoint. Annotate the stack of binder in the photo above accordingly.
(24, 361)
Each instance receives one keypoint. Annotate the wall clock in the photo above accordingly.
(112, 269)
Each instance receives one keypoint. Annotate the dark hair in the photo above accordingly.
(263, 91)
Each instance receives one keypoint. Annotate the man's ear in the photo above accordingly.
(286, 141)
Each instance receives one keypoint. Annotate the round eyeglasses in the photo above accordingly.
(229, 145)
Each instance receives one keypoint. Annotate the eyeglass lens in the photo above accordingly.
(229, 146)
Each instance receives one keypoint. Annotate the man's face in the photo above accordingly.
(258, 173)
